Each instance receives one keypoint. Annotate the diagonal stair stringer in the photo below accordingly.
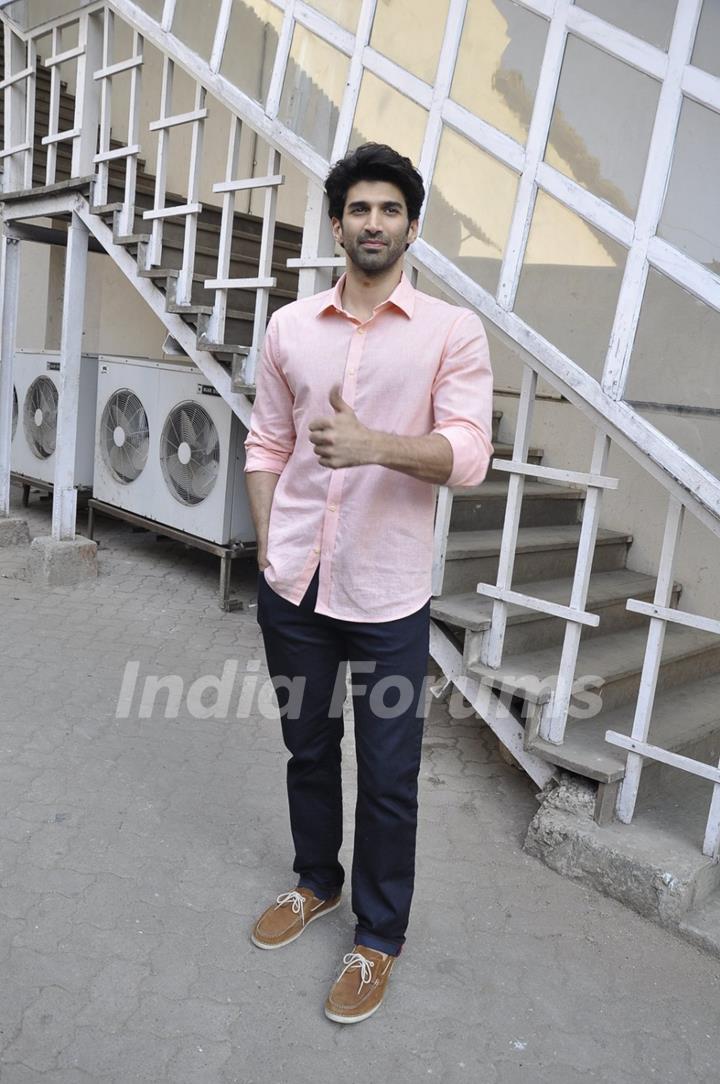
(488, 705)
(209, 366)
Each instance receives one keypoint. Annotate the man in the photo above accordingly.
(368, 396)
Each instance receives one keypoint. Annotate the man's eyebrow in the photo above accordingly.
(385, 203)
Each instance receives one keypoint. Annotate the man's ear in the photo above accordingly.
(413, 230)
(337, 231)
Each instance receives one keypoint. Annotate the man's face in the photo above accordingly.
(374, 230)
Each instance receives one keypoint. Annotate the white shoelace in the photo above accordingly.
(355, 959)
(297, 901)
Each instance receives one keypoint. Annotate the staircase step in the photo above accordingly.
(686, 719)
(607, 595)
(483, 507)
(543, 553)
(206, 259)
(496, 418)
(501, 450)
(616, 660)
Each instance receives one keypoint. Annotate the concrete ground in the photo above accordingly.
(135, 853)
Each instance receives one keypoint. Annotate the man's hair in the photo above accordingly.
(374, 162)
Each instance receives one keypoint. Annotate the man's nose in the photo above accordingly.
(374, 223)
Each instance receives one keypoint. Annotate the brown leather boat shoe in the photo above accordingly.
(285, 920)
(360, 987)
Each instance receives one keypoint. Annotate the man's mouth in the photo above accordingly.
(373, 244)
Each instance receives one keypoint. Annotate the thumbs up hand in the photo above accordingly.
(341, 440)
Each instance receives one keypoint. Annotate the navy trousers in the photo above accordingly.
(307, 656)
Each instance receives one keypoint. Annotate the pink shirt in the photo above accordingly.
(419, 365)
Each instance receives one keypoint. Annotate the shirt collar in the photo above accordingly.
(402, 297)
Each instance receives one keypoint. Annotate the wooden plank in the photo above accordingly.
(58, 137)
(62, 58)
(248, 182)
(654, 752)
(651, 665)
(555, 474)
(679, 617)
(116, 69)
(529, 602)
(240, 284)
(119, 152)
(483, 134)
(174, 212)
(619, 43)
(179, 118)
(265, 277)
(711, 843)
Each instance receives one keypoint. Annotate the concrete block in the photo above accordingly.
(13, 531)
(650, 867)
(61, 564)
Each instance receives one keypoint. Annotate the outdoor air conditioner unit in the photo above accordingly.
(36, 387)
(169, 448)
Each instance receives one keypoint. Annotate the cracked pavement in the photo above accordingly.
(135, 854)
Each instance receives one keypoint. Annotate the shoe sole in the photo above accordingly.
(350, 1019)
(301, 931)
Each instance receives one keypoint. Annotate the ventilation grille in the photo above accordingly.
(124, 436)
(40, 416)
(190, 453)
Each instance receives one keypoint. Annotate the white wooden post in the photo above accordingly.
(491, 643)
(554, 717)
(267, 243)
(10, 272)
(127, 215)
(216, 323)
(183, 295)
(87, 96)
(443, 512)
(64, 491)
(627, 795)
(100, 192)
(154, 250)
(17, 143)
(317, 242)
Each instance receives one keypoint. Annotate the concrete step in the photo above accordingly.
(686, 719)
(496, 419)
(239, 301)
(206, 265)
(246, 230)
(503, 450)
(654, 865)
(607, 595)
(608, 665)
(483, 507)
(543, 553)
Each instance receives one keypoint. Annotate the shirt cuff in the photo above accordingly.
(472, 452)
(262, 459)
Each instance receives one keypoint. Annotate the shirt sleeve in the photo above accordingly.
(271, 437)
(462, 400)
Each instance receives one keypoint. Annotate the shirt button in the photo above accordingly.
(332, 508)
(361, 331)
(351, 372)
(316, 550)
